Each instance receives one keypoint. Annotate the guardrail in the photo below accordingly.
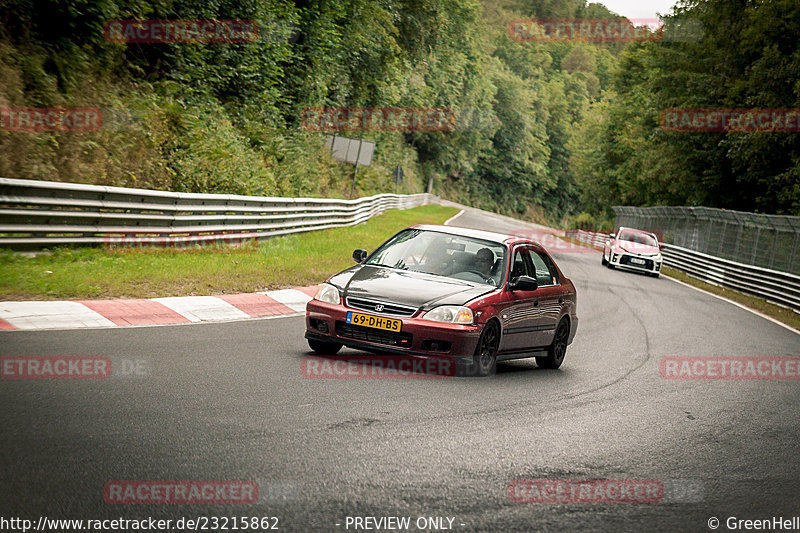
(595, 240)
(36, 214)
(778, 287)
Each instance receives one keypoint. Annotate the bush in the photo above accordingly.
(585, 221)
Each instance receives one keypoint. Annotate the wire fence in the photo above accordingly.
(767, 241)
(777, 287)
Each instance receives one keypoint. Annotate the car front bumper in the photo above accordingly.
(627, 260)
(328, 322)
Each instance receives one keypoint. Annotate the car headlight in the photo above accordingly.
(452, 314)
(328, 293)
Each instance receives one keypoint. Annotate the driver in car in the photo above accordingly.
(484, 261)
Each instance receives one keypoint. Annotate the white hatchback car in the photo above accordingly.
(633, 249)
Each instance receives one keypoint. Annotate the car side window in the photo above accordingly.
(546, 273)
(521, 265)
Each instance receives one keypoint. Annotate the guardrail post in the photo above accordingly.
(738, 239)
(776, 234)
(722, 237)
(755, 246)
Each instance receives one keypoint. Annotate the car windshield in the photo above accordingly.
(440, 254)
(639, 238)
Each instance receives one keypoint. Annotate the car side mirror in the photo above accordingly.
(612, 235)
(359, 255)
(524, 283)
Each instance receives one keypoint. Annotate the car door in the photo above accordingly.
(550, 296)
(519, 316)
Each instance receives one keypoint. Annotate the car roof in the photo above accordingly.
(634, 230)
(502, 238)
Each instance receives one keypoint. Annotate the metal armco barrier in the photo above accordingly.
(36, 214)
(778, 287)
(595, 240)
(774, 286)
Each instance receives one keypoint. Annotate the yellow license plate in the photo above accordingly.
(377, 322)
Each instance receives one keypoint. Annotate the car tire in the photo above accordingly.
(557, 350)
(484, 361)
(324, 347)
(655, 275)
(603, 260)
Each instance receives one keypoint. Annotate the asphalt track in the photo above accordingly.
(229, 402)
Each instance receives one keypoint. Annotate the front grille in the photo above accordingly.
(377, 336)
(626, 260)
(388, 308)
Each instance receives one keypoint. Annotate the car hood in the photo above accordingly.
(636, 248)
(406, 288)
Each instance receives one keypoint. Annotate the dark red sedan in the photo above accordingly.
(474, 296)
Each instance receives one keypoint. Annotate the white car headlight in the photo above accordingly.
(452, 314)
(328, 293)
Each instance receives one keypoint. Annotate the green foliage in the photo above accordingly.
(747, 56)
(543, 130)
(225, 117)
(213, 157)
(585, 221)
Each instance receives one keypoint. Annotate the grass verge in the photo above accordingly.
(781, 314)
(289, 261)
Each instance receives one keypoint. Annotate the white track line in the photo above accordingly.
(737, 304)
(452, 218)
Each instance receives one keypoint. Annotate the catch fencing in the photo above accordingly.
(778, 287)
(767, 241)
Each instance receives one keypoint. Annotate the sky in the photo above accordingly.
(638, 9)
